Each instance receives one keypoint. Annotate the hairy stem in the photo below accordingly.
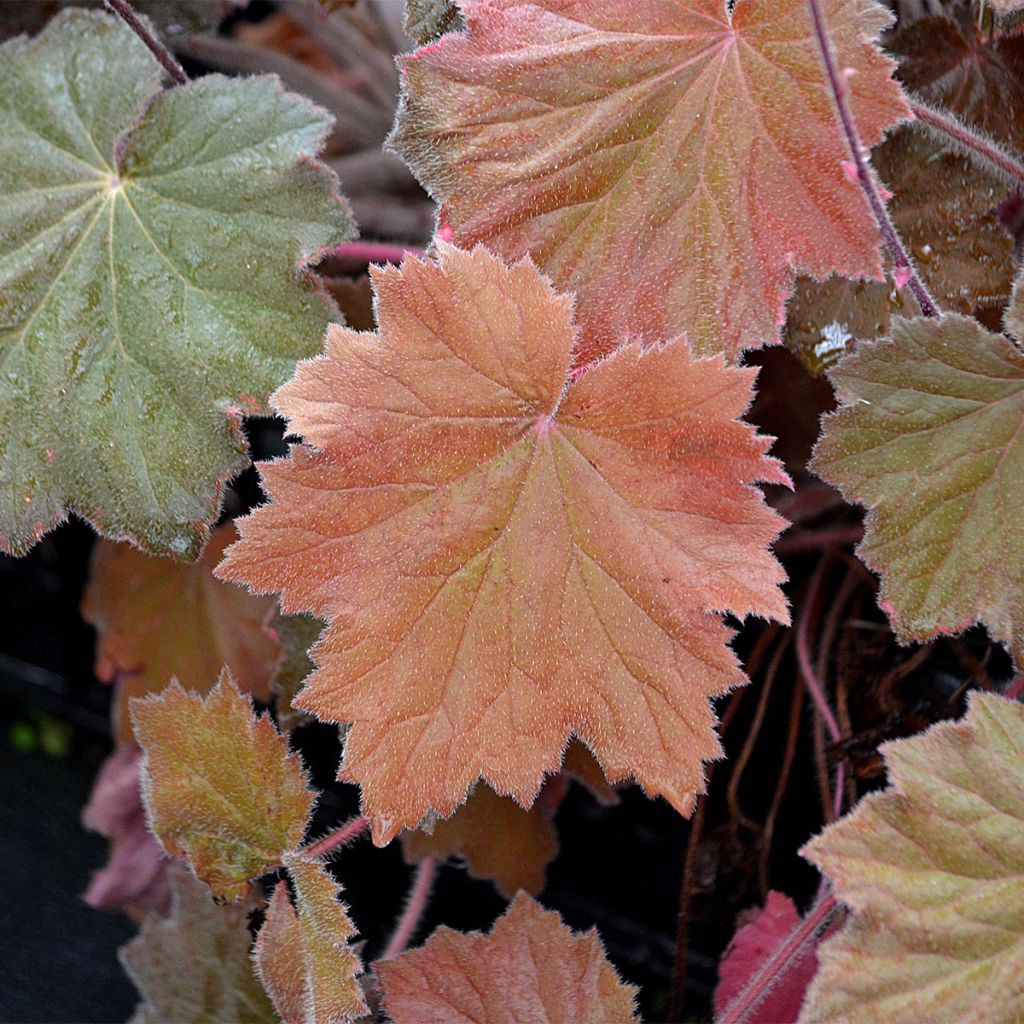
(374, 252)
(162, 54)
(893, 242)
(784, 957)
(971, 143)
(338, 838)
(415, 907)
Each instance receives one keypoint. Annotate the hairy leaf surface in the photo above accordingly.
(150, 252)
(530, 968)
(304, 958)
(671, 163)
(959, 65)
(219, 784)
(194, 967)
(506, 555)
(934, 871)
(754, 942)
(930, 437)
(159, 619)
(944, 207)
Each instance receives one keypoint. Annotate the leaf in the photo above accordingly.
(929, 438)
(235, 816)
(530, 968)
(750, 947)
(137, 876)
(428, 20)
(944, 208)
(498, 839)
(151, 246)
(297, 633)
(194, 966)
(954, 63)
(932, 870)
(588, 134)
(304, 958)
(507, 556)
(158, 619)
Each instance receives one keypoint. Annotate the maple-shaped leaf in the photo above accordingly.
(151, 251)
(531, 967)
(137, 876)
(671, 163)
(754, 942)
(506, 555)
(219, 784)
(929, 437)
(159, 619)
(932, 868)
(962, 66)
(304, 958)
(944, 207)
(195, 966)
(498, 839)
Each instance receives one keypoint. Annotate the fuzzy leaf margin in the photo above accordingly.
(152, 255)
(933, 868)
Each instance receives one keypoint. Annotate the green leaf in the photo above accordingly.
(930, 437)
(932, 868)
(427, 20)
(151, 279)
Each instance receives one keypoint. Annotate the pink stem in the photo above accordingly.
(415, 907)
(374, 252)
(783, 959)
(900, 259)
(162, 54)
(803, 656)
(970, 141)
(338, 838)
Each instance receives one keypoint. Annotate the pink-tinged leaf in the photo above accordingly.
(530, 968)
(304, 957)
(195, 965)
(934, 871)
(930, 437)
(220, 786)
(135, 879)
(506, 557)
(159, 619)
(669, 162)
(750, 947)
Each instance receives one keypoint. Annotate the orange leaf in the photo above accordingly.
(507, 555)
(499, 839)
(304, 958)
(219, 784)
(530, 968)
(158, 619)
(671, 163)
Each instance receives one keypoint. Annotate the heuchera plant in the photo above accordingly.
(523, 524)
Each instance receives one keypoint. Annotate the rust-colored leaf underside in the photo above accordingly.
(505, 557)
(160, 619)
(530, 968)
(219, 784)
(934, 870)
(670, 163)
